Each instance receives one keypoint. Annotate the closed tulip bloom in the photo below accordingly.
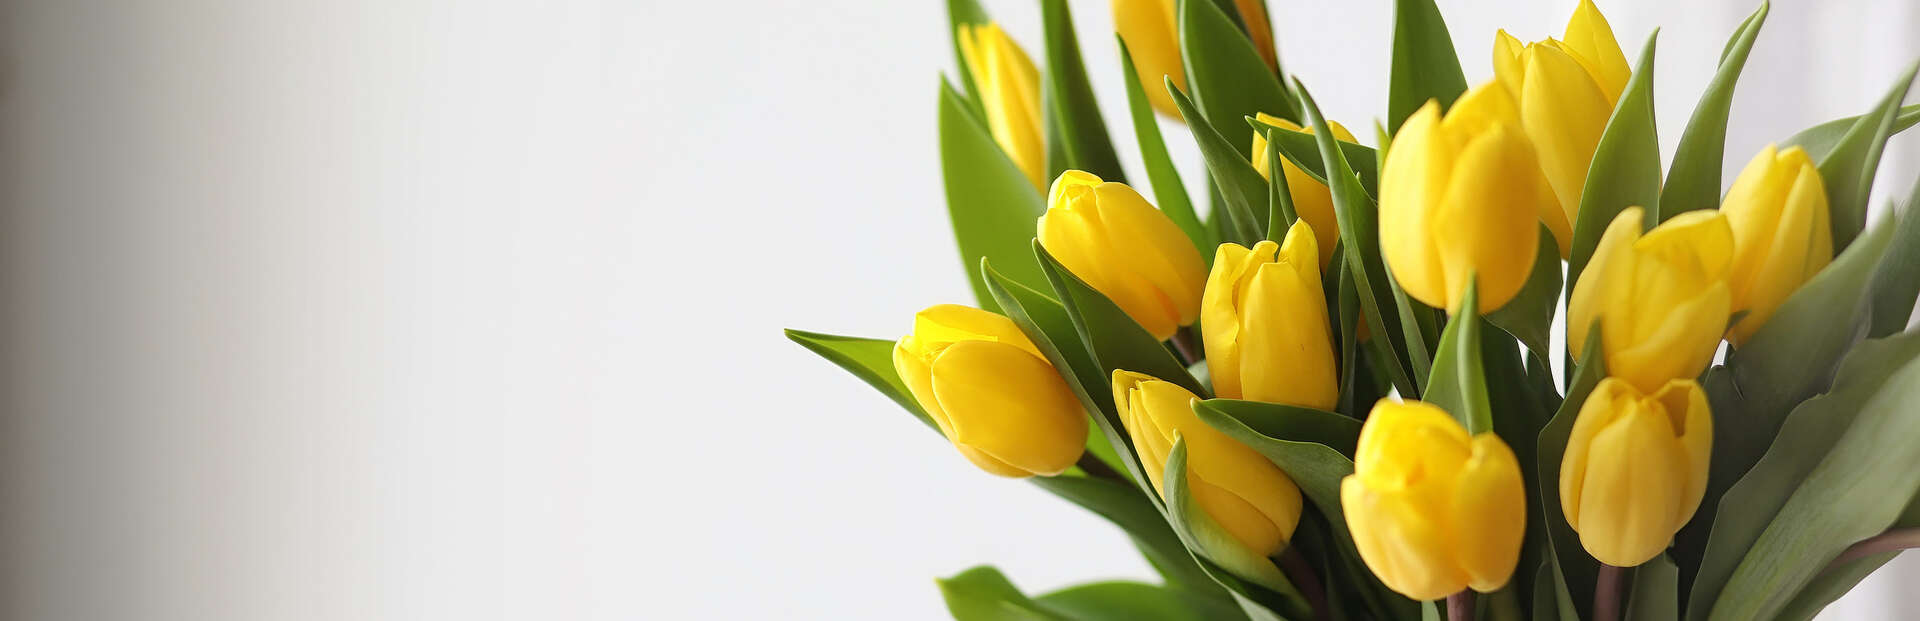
(1151, 31)
(1781, 234)
(991, 392)
(1311, 199)
(1240, 489)
(1434, 512)
(1264, 316)
(1010, 92)
(1459, 196)
(1110, 237)
(1661, 299)
(1635, 468)
(1566, 91)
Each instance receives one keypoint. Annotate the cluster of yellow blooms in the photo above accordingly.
(1463, 196)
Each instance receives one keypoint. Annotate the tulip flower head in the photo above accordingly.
(1566, 91)
(1264, 315)
(1781, 234)
(991, 392)
(1459, 197)
(1151, 30)
(1110, 237)
(1661, 298)
(1010, 92)
(1433, 511)
(1635, 468)
(1311, 198)
(1240, 489)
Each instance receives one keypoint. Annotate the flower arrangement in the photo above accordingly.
(1333, 396)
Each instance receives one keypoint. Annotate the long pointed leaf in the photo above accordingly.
(1850, 168)
(1240, 186)
(1081, 133)
(991, 203)
(1228, 78)
(1168, 191)
(1694, 180)
(1626, 165)
(1424, 63)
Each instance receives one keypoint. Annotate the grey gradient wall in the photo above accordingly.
(469, 310)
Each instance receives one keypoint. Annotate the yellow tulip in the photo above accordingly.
(1433, 511)
(991, 392)
(1566, 91)
(1635, 468)
(1311, 199)
(1781, 234)
(1240, 489)
(1010, 92)
(1110, 237)
(1459, 196)
(1151, 31)
(1661, 299)
(1264, 315)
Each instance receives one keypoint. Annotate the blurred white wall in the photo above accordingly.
(470, 310)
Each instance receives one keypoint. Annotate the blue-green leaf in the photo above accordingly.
(1655, 594)
(1228, 78)
(1896, 283)
(1626, 166)
(1820, 140)
(1168, 191)
(1424, 63)
(1694, 181)
(1072, 113)
(991, 203)
(1850, 168)
(1529, 316)
(1459, 381)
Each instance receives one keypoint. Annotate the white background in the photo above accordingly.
(437, 310)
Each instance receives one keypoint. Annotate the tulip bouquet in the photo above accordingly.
(1334, 396)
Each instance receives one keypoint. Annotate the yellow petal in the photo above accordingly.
(1400, 542)
(1508, 67)
(1241, 520)
(1286, 342)
(1693, 418)
(1153, 248)
(1412, 183)
(1147, 26)
(1606, 402)
(1608, 277)
(944, 324)
(1489, 512)
(1686, 339)
(1590, 40)
(1220, 308)
(1488, 219)
(1008, 404)
(1635, 475)
(1564, 113)
(1785, 251)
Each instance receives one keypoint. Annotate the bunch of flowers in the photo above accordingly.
(1333, 396)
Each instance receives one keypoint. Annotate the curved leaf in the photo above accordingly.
(1577, 569)
(1168, 191)
(1626, 166)
(991, 203)
(1128, 508)
(1134, 601)
(1424, 63)
(1820, 140)
(1303, 150)
(1073, 115)
(871, 360)
(1655, 594)
(1849, 169)
(984, 594)
(1896, 283)
(1228, 78)
(1113, 339)
(1459, 381)
(1529, 316)
(1233, 176)
(1694, 180)
(1205, 536)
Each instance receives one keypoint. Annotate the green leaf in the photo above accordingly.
(1694, 180)
(992, 204)
(1280, 211)
(1047, 323)
(1113, 339)
(1896, 283)
(1529, 317)
(1847, 459)
(1424, 63)
(966, 12)
(1820, 140)
(1130, 509)
(1656, 594)
(1546, 602)
(1791, 358)
(871, 360)
(1459, 381)
(1830, 585)
(1233, 175)
(1205, 536)
(1626, 166)
(1228, 78)
(1849, 169)
(1416, 322)
(1358, 219)
(984, 594)
(1303, 150)
(1168, 191)
(1134, 601)
(1577, 570)
(1072, 113)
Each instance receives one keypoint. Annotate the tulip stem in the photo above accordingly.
(1460, 606)
(1890, 541)
(1098, 469)
(1302, 575)
(1606, 593)
(1183, 343)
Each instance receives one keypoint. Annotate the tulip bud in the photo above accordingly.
(1566, 91)
(1781, 238)
(1460, 197)
(1010, 92)
(1635, 468)
(991, 392)
(1264, 315)
(1661, 299)
(1151, 30)
(1311, 199)
(1110, 237)
(1433, 511)
(1240, 489)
